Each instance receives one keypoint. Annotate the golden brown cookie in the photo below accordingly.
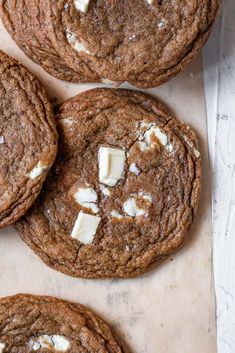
(28, 139)
(144, 42)
(31, 323)
(123, 191)
(25, 21)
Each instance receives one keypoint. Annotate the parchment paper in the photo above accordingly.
(170, 310)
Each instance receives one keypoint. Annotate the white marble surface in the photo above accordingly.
(219, 59)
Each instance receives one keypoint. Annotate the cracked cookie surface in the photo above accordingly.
(28, 139)
(46, 324)
(123, 191)
(139, 41)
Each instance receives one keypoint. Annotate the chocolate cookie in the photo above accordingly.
(123, 191)
(45, 324)
(25, 21)
(28, 139)
(144, 42)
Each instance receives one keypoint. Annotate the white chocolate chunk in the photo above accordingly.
(85, 227)
(2, 347)
(150, 2)
(66, 121)
(78, 46)
(147, 131)
(145, 126)
(37, 170)
(2, 139)
(131, 208)
(91, 206)
(85, 195)
(154, 130)
(134, 169)
(74, 42)
(161, 24)
(104, 190)
(196, 153)
(111, 165)
(117, 215)
(145, 196)
(82, 5)
(143, 146)
(57, 342)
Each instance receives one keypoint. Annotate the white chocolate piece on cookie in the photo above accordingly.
(134, 169)
(117, 215)
(74, 42)
(131, 208)
(2, 347)
(85, 227)
(82, 5)
(111, 165)
(91, 206)
(105, 191)
(37, 170)
(85, 195)
(66, 121)
(146, 134)
(56, 342)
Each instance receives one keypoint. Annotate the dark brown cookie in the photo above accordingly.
(28, 139)
(25, 21)
(144, 42)
(123, 191)
(45, 324)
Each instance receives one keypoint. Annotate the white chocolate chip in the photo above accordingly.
(154, 130)
(78, 46)
(134, 169)
(150, 2)
(37, 170)
(66, 121)
(2, 139)
(104, 190)
(145, 126)
(161, 24)
(131, 208)
(82, 5)
(145, 196)
(147, 131)
(73, 41)
(57, 342)
(2, 347)
(143, 146)
(196, 153)
(85, 195)
(91, 206)
(85, 227)
(117, 215)
(111, 165)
